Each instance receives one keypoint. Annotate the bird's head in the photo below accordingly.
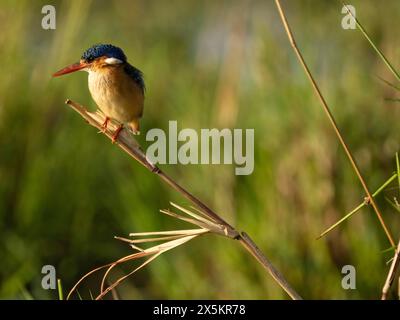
(97, 57)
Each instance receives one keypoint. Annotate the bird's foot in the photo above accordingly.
(105, 124)
(116, 133)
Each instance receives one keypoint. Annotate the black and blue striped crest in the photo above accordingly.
(101, 50)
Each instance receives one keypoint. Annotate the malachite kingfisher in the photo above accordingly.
(116, 86)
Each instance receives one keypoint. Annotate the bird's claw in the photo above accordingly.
(105, 124)
(116, 133)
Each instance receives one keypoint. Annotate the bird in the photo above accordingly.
(116, 86)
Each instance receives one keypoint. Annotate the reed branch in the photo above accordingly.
(392, 273)
(127, 143)
(332, 121)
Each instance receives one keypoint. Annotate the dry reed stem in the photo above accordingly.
(128, 144)
(154, 252)
(392, 273)
(332, 120)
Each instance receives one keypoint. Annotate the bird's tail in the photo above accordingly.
(134, 125)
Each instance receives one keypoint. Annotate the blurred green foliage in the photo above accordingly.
(65, 191)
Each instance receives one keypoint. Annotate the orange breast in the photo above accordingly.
(116, 94)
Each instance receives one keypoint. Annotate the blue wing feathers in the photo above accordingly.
(136, 75)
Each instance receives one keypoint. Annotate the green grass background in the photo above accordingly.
(65, 191)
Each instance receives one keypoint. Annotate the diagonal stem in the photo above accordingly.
(250, 246)
(128, 144)
(360, 206)
(332, 121)
(392, 272)
(379, 52)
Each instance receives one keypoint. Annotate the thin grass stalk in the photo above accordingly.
(153, 252)
(392, 273)
(389, 84)
(398, 169)
(377, 50)
(332, 120)
(396, 258)
(360, 206)
(398, 288)
(60, 290)
(73, 289)
(394, 205)
(116, 283)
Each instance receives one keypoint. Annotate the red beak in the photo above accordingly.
(71, 68)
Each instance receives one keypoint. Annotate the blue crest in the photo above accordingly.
(100, 50)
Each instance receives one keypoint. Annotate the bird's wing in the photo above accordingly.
(136, 75)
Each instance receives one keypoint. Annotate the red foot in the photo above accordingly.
(105, 123)
(116, 133)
